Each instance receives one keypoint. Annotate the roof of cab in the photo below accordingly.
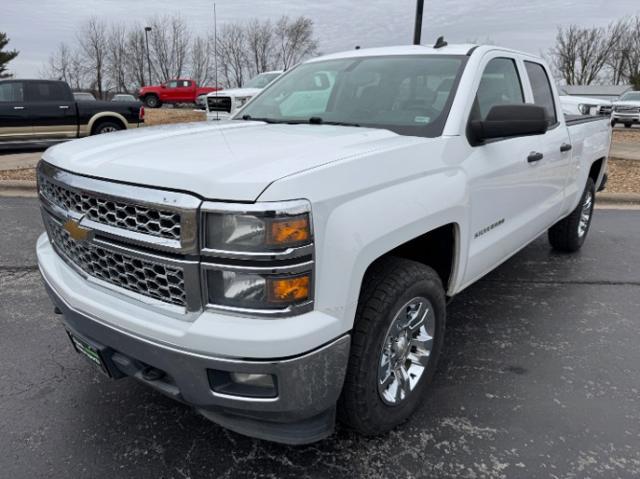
(459, 49)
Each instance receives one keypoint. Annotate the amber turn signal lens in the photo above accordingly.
(289, 290)
(289, 231)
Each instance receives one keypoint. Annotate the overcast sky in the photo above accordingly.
(37, 27)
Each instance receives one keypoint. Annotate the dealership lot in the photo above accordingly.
(539, 379)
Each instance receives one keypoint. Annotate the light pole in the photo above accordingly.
(417, 32)
(146, 35)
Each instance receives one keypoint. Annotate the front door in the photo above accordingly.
(14, 121)
(52, 109)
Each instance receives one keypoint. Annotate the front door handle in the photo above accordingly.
(18, 108)
(534, 156)
(565, 147)
(64, 107)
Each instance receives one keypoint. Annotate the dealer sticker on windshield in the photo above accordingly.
(422, 119)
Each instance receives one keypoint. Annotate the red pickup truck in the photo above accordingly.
(173, 91)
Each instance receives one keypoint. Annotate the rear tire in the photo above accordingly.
(569, 234)
(395, 292)
(152, 101)
(107, 127)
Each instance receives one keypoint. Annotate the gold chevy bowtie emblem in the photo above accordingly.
(76, 231)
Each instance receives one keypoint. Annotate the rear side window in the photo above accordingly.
(12, 92)
(542, 94)
(47, 91)
(500, 85)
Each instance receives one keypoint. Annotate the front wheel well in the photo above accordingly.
(436, 249)
(594, 172)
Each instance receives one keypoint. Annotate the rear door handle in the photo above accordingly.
(64, 107)
(18, 108)
(565, 147)
(534, 156)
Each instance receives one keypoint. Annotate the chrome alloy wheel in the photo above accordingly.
(406, 350)
(108, 129)
(585, 214)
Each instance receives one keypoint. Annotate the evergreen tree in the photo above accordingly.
(5, 56)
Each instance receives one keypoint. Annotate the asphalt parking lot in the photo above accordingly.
(539, 378)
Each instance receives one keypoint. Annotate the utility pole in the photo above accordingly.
(146, 35)
(417, 32)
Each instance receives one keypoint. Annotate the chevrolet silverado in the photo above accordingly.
(293, 265)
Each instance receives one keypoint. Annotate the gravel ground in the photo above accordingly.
(624, 176)
(21, 174)
(626, 135)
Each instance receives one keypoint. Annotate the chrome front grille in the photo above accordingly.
(219, 103)
(118, 214)
(131, 238)
(627, 109)
(149, 278)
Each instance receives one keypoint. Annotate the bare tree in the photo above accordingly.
(169, 43)
(136, 59)
(581, 54)
(93, 45)
(201, 60)
(260, 43)
(65, 64)
(117, 53)
(294, 40)
(633, 53)
(232, 54)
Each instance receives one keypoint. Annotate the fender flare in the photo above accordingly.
(106, 114)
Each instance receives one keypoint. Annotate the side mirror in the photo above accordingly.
(505, 121)
(163, 85)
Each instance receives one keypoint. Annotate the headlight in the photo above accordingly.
(584, 109)
(257, 228)
(256, 290)
(258, 258)
(241, 100)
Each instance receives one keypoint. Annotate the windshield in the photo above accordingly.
(631, 96)
(410, 95)
(261, 80)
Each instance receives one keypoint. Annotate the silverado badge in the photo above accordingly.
(76, 231)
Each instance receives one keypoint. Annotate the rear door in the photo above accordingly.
(51, 109)
(185, 91)
(14, 122)
(552, 172)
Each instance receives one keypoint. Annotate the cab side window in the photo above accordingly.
(12, 92)
(172, 84)
(500, 85)
(541, 87)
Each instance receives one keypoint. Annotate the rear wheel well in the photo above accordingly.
(106, 119)
(436, 249)
(594, 172)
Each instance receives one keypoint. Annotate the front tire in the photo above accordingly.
(397, 338)
(628, 125)
(569, 234)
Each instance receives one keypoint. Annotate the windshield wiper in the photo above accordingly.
(266, 120)
(316, 120)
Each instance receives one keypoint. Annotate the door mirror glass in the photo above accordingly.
(506, 121)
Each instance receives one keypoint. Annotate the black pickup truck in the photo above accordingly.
(46, 110)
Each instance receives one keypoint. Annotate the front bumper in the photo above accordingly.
(218, 115)
(626, 117)
(308, 384)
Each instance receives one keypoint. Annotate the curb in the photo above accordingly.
(22, 188)
(618, 198)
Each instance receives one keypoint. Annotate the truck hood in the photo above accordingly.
(579, 100)
(627, 103)
(234, 160)
(236, 92)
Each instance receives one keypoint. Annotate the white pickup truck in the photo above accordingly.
(293, 265)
